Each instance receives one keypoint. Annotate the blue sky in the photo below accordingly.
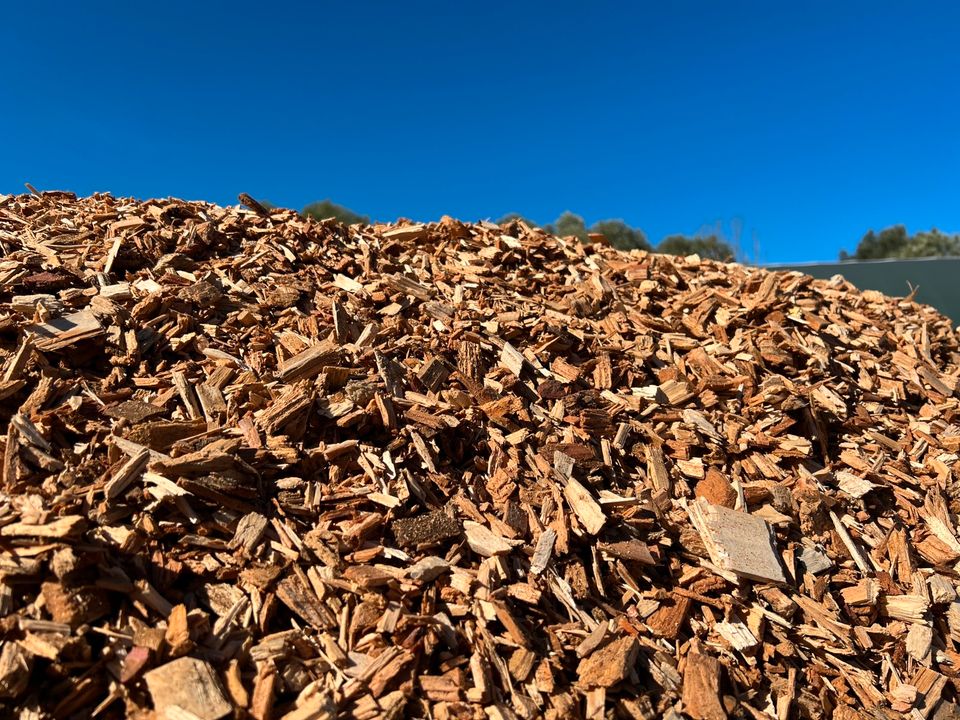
(806, 123)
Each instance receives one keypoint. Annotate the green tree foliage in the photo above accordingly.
(895, 242)
(569, 224)
(933, 244)
(516, 217)
(328, 209)
(711, 246)
(889, 242)
(621, 235)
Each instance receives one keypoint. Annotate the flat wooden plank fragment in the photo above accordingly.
(428, 569)
(67, 330)
(736, 541)
(483, 542)
(190, 685)
(62, 527)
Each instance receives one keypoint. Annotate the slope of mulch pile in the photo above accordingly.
(260, 466)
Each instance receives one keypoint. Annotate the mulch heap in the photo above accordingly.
(261, 466)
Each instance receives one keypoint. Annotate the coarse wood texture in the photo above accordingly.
(257, 466)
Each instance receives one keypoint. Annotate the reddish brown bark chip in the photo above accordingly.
(609, 665)
(701, 688)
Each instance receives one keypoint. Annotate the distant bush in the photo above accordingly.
(324, 209)
(894, 242)
(712, 247)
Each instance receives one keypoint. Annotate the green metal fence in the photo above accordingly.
(937, 279)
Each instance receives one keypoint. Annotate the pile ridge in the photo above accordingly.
(255, 465)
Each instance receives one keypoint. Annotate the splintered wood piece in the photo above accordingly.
(866, 592)
(127, 474)
(677, 392)
(737, 541)
(405, 285)
(74, 606)
(18, 362)
(187, 395)
(912, 608)
(309, 362)
(344, 328)
(941, 590)
(543, 551)
(295, 595)
(737, 634)
(249, 531)
(263, 691)
(930, 686)
(632, 550)
(188, 684)
(657, 469)
(670, 617)
(16, 664)
(177, 634)
(433, 374)
(852, 548)
(512, 359)
(425, 453)
(483, 542)
(586, 509)
(852, 485)
(316, 706)
(920, 643)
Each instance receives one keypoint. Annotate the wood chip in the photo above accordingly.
(483, 542)
(255, 464)
(701, 688)
(609, 665)
(190, 685)
(737, 541)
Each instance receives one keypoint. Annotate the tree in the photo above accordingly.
(516, 217)
(712, 247)
(894, 242)
(621, 235)
(328, 209)
(890, 242)
(569, 224)
(932, 244)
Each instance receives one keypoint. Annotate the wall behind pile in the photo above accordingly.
(937, 279)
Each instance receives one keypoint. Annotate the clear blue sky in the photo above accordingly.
(809, 122)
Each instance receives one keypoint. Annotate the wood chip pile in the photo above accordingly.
(259, 466)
